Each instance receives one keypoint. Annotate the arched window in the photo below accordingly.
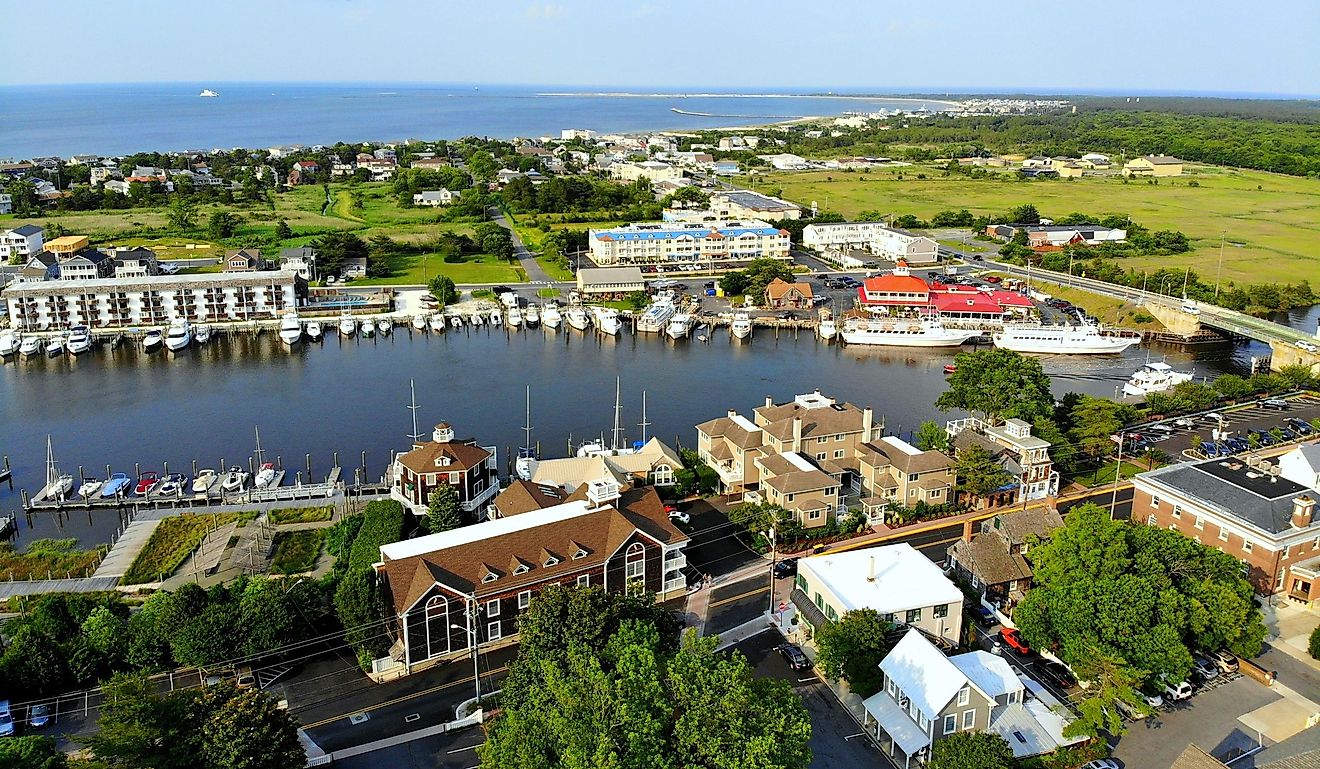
(634, 561)
(437, 626)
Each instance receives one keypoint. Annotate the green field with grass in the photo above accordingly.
(283, 515)
(1271, 222)
(49, 558)
(296, 551)
(173, 541)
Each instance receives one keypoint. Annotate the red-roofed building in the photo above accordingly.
(964, 305)
(900, 289)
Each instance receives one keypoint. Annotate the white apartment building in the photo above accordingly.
(151, 301)
(876, 237)
(659, 242)
(21, 241)
(6, 203)
(646, 169)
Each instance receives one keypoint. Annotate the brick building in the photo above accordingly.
(471, 469)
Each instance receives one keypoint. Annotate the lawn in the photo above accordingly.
(300, 514)
(173, 541)
(414, 269)
(1110, 311)
(1271, 221)
(296, 551)
(47, 558)
(1105, 473)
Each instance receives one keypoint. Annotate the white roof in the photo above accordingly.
(465, 535)
(744, 423)
(894, 720)
(901, 445)
(989, 672)
(571, 472)
(923, 673)
(798, 461)
(904, 579)
(1157, 366)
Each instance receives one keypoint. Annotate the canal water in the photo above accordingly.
(130, 410)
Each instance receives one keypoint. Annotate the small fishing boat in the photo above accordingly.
(827, 329)
(437, 322)
(368, 329)
(532, 316)
(146, 482)
(206, 478)
(456, 320)
(179, 336)
(80, 340)
(477, 319)
(171, 485)
(234, 480)
(115, 485)
(551, 316)
(384, 327)
(314, 330)
(202, 334)
(55, 346)
(495, 317)
(419, 322)
(290, 330)
(514, 318)
(9, 343)
(153, 341)
(347, 325)
(90, 488)
(265, 476)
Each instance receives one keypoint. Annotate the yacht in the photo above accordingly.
(657, 315)
(903, 332)
(265, 476)
(384, 327)
(153, 341)
(171, 485)
(207, 93)
(741, 327)
(576, 317)
(202, 334)
(1062, 340)
(206, 478)
(178, 336)
(419, 322)
(532, 316)
(514, 317)
(29, 346)
(368, 329)
(55, 345)
(680, 326)
(90, 488)
(456, 320)
(9, 343)
(80, 340)
(437, 322)
(347, 325)
(115, 485)
(1154, 378)
(607, 320)
(551, 316)
(290, 329)
(234, 480)
(495, 317)
(314, 330)
(827, 329)
(477, 319)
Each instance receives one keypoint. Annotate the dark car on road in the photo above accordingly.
(793, 655)
(1274, 403)
(1263, 437)
(982, 614)
(785, 568)
(1056, 674)
(1300, 426)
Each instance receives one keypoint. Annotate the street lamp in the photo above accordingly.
(471, 629)
(770, 535)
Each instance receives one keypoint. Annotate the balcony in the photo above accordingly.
(675, 561)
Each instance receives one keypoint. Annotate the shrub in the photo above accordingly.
(296, 551)
(382, 523)
(339, 538)
(1314, 646)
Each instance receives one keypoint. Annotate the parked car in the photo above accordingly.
(1129, 712)
(245, 679)
(1274, 403)
(39, 715)
(785, 568)
(1013, 639)
(993, 279)
(1204, 669)
(1056, 674)
(677, 515)
(501, 290)
(982, 614)
(1288, 435)
(1152, 698)
(1264, 438)
(794, 656)
(1209, 449)
(1237, 445)
(1300, 426)
(1102, 763)
(1225, 661)
(1177, 690)
(6, 719)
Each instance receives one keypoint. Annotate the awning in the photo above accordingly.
(806, 608)
(894, 720)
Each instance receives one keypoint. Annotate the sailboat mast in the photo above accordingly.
(527, 420)
(412, 406)
(258, 453)
(644, 424)
(618, 406)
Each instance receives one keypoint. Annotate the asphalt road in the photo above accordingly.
(736, 603)
(455, 750)
(716, 549)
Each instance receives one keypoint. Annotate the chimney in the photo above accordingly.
(797, 433)
(771, 401)
(870, 569)
(868, 419)
(731, 413)
(1303, 512)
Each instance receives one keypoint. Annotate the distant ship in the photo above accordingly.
(208, 93)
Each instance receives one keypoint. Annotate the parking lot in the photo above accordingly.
(1209, 718)
(1186, 433)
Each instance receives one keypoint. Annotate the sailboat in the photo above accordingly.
(266, 472)
(525, 466)
(57, 484)
(598, 448)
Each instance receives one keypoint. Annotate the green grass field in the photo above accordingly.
(1272, 222)
(296, 551)
(172, 542)
(57, 558)
(412, 269)
(283, 515)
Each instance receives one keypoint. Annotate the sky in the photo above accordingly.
(1039, 46)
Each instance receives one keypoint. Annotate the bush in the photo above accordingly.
(300, 514)
(1314, 646)
(296, 551)
(382, 523)
(339, 538)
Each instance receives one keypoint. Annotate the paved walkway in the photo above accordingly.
(41, 586)
(126, 548)
(526, 260)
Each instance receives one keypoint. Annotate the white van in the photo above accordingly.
(1180, 690)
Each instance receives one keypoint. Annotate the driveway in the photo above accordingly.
(526, 259)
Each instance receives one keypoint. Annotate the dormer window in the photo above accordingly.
(490, 577)
(522, 569)
(551, 561)
(580, 554)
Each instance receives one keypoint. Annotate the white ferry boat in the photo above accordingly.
(741, 327)
(656, 316)
(607, 320)
(680, 326)
(1154, 378)
(1062, 340)
(903, 332)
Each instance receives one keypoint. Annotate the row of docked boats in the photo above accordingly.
(550, 315)
(76, 341)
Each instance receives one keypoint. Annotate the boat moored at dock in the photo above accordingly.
(741, 326)
(576, 317)
(551, 316)
(206, 478)
(9, 343)
(1087, 339)
(314, 331)
(437, 322)
(115, 485)
(513, 317)
(680, 326)
(80, 340)
(607, 320)
(179, 336)
(419, 322)
(90, 488)
(656, 316)
(55, 345)
(29, 346)
(903, 332)
(347, 325)
(202, 334)
(290, 329)
(384, 326)
(532, 316)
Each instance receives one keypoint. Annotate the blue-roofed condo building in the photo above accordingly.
(665, 243)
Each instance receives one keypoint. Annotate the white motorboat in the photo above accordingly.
(437, 322)
(419, 322)
(456, 320)
(80, 340)
(178, 336)
(827, 329)
(90, 487)
(154, 340)
(656, 316)
(207, 93)
(171, 485)
(55, 345)
(532, 316)
(290, 329)
(29, 346)
(347, 325)
(551, 316)
(206, 478)
(58, 484)
(202, 334)
(509, 299)
(477, 319)
(368, 329)
(680, 326)
(234, 480)
(576, 317)
(9, 343)
(514, 317)
(265, 476)
(314, 330)
(495, 317)
(903, 332)
(1086, 339)
(741, 327)
(607, 320)
(384, 327)
(1154, 378)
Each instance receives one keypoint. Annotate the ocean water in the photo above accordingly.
(119, 119)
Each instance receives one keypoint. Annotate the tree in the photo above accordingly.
(221, 225)
(734, 283)
(107, 633)
(931, 437)
(852, 649)
(139, 728)
(978, 473)
(443, 289)
(637, 300)
(444, 512)
(1024, 214)
(498, 243)
(1313, 646)
(247, 730)
(1093, 421)
(360, 606)
(283, 231)
(334, 248)
(971, 750)
(268, 620)
(1000, 384)
(1231, 386)
(181, 213)
(30, 752)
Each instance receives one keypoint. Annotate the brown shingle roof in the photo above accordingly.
(987, 556)
(924, 462)
(777, 420)
(778, 287)
(727, 428)
(1017, 526)
(524, 496)
(462, 456)
(800, 481)
(1193, 757)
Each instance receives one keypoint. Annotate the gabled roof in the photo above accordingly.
(924, 674)
(730, 428)
(26, 230)
(778, 287)
(897, 284)
(572, 472)
(462, 456)
(987, 556)
(1018, 525)
(777, 420)
(989, 672)
(906, 457)
(525, 496)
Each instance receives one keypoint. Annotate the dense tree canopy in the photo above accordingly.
(999, 384)
(852, 649)
(971, 750)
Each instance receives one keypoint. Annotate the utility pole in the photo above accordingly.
(773, 554)
(1118, 473)
(1220, 274)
